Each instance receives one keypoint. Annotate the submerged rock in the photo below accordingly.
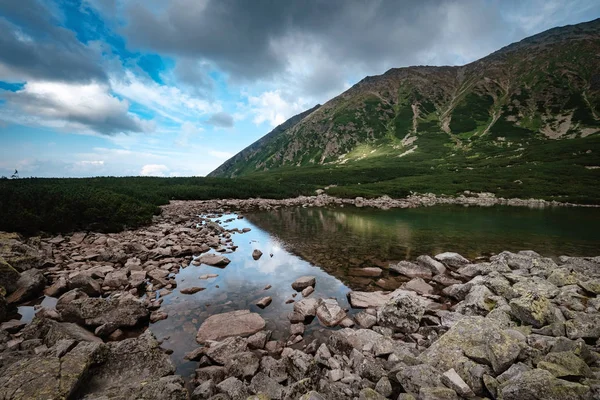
(215, 260)
(234, 323)
(264, 302)
(303, 282)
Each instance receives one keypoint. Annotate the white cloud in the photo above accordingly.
(154, 170)
(89, 163)
(272, 107)
(80, 108)
(168, 101)
(188, 131)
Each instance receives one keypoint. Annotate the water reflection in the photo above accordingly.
(340, 239)
(239, 286)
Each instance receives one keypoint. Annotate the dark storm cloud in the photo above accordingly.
(262, 39)
(221, 120)
(239, 35)
(32, 45)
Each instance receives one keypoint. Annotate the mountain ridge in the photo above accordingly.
(544, 87)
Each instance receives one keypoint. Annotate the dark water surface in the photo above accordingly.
(327, 242)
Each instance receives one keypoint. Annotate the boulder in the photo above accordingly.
(242, 365)
(418, 285)
(8, 276)
(451, 379)
(565, 364)
(453, 260)
(402, 313)
(50, 377)
(30, 285)
(57, 288)
(330, 313)
(233, 323)
(264, 302)
(191, 290)
(470, 345)
(583, 325)
(532, 309)
(263, 384)
(479, 301)
(411, 270)
(413, 378)
(86, 284)
(308, 291)
(215, 260)
(368, 299)
(116, 279)
(434, 266)
(365, 320)
(303, 282)
(306, 308)
(125, 375)
(114, 313)
(541, 384)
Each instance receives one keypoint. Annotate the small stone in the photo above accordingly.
(256, 254)
(264, 302)
(156, 316)
(308, 291)
(451, 379)
(297, 329)
(191, 290)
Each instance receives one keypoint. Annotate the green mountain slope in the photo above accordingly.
(530, 105)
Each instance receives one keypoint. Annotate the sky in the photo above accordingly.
(176, 87)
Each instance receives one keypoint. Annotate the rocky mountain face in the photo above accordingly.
(543, 88)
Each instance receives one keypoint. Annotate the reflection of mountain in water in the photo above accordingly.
(338, 240)
(343, 238)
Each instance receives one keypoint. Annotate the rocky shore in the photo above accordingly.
(321, 199)
(514, 326)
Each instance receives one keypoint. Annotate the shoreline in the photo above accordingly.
(383, 202)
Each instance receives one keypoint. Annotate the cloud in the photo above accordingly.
(33, 45)
(221, 120)
(274, 108)
(154, 170)
(168, 101)
(88, 108)
(188, 131)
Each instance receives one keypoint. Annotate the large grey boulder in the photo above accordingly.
(532, 310)
(50, 377)
(222, 351)
(215, 260)
(413, 378)
(453, 260)
(125, 375)
(233, 323)
(31, 283)
(367, 299)
(541, 384)
(470, 346)
(411, 270)
(330, 313)
(114, 313)
(86, 284)
(8, 276)
(402, 313)
(583, 325)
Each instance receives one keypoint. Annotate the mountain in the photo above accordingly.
(524, 101)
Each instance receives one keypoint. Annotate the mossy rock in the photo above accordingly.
(565, 364)
(8, 277)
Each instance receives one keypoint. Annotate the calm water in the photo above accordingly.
(328, 242)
